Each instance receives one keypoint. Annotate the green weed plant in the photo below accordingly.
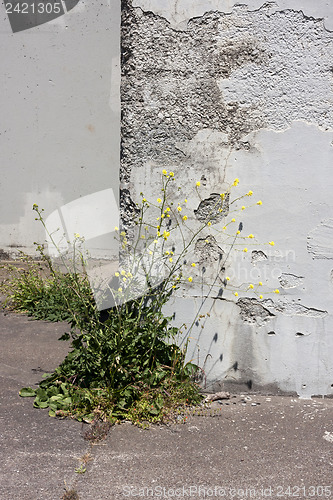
(128, 364)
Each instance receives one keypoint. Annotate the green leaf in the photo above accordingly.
(40, 404)
(27, 392)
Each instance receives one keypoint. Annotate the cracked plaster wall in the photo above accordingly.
(214, 91)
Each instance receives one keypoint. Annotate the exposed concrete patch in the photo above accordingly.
(128, 208)
(208, 250)
(252, 311)
(320, 240)
(258, 256)
(290, 280)
(4, 255)
(296, 79)
(169, 85)
(213, 208)
(293, 309)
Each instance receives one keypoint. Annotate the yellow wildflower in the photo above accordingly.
(260, 296)
(117, 274)
(250, 193)
(170, 260)
(164, 172)
(272, 243)
(233, 220)
(227, 278)
(250, 236)
(185, 217)
(120, 289)
(123, 272)
(260, 283)
(245, 250)
(276, 291)
(190, 279)
(116, 228)
(259, 202)
(171, 174)
(179, 209)
(185, 200)
(236, 181)
(251, 286)
(198, 183)
(236, 294)
(159, 200)
(209, 223)
(193, 264)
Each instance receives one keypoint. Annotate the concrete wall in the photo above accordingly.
(60, 121)
(213, 90)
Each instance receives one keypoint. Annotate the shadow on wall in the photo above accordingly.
(88, 228)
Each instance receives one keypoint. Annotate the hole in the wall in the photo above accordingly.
(303, 386)
(220, 292)
(197, 323)
(215, 337)
(249, 384)
(271, 333)
(331, 385)
(299, 334)
(235, 366)
(221, 357)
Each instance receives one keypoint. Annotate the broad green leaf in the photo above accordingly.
(27, 392)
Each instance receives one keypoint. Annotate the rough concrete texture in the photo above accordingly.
(215, 91)
(251, 442)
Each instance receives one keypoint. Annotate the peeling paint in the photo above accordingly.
(290, 280)
(258, 256)
(294, 309)
(320, 240)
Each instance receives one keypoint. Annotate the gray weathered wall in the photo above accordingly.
(213, 91)
(60, 119)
